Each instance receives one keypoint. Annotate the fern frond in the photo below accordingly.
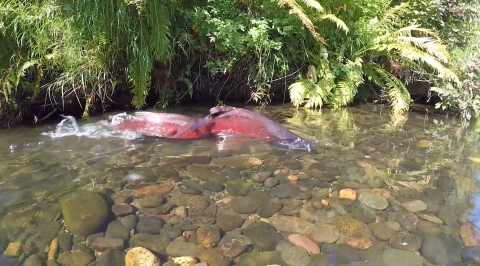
(313, 4)
(298, 90)
(306, 21)
(393, 14)
(312, 95)
(340, 24)
(428, 44)
(345, 91)
(397, 93)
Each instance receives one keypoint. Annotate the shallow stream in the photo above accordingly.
(374, 191)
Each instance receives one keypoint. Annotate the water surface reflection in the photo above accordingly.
(377, 189)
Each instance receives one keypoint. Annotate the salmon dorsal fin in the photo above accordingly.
(220, 110)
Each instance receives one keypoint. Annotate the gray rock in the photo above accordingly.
(381, 231)
(471, 254)
(65, 258)
(364, 214)
(414, 206)
(102, 244)
(54, 263)
(205, 174)
(397, 257)
(129, 221)
(263, 235)
(92, 237)
(151, 201)
(229, 221)
(270, 209)
(374, 201)
(285, 190)
(322, 260)
(154, 243)
(445, 214)
(33, 260)
(271, 182)
(150, 225)
(122, 209)
(178, 248)
(343, 253)
(213, 186)
(82, 247)
(171, 233)
(83, 211)
(82, 258)
(293, 255)
(65, 241)
(116, 229)
(442, 249)
(48, 230)
(238, 187)
(115, 257)
(250, 203)
(324, 233)
(264, 258)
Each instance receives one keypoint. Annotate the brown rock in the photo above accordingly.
(292, 178)
(152, 190)
(468, 235)
(290, 224)
(122, 209)
(214, 257)
(409, 221)
(356, 232)
(382, 192)
(196, 202)
(201, 218)
(103, 244)
(304, 242)
(233, 248)
(14, 249)
(52, 251)
(348, 193)
(406, 241)
(208, 236)
(255, 161)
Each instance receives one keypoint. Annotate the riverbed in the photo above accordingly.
(375, 190)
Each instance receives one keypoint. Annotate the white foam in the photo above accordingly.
(101, 129)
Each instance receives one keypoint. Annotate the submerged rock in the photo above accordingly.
(304, 242)
(139, 256)
(357, 233)
(263, 235)
(208, 236)
(392, 256)
(179, 248)
(442, 249)
(374, 201)
(154, 243)
(83, 212)
(415, 206)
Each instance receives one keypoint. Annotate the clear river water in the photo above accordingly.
(376, 190)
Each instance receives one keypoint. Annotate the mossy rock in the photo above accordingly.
(83, 212)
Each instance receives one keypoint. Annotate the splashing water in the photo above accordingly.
(101, 129)
(297, 144)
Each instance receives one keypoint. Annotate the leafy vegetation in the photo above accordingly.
(64, 54)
